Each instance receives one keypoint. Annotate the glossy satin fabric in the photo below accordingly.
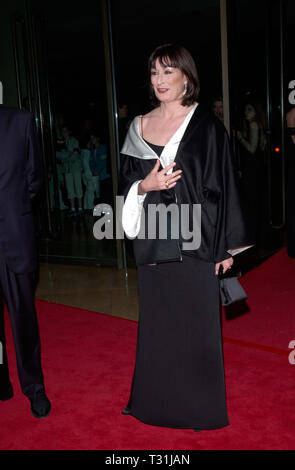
(178, 377)
(208, 178)
(290, 196)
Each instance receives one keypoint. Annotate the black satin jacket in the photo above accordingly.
(208, 178)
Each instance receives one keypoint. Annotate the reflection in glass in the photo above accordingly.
(76, 79)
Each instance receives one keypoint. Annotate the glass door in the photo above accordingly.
(70, 102)
(257, 107)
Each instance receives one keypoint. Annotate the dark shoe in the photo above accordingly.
(40, 405)
(126, 411)
(7, 394)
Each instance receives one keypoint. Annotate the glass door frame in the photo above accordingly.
(226, 32)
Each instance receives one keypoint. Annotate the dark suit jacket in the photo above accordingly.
(20, 179)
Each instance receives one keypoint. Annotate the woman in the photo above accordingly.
(98, 164)
(72, 165)
(94, 163)
(217, 107)
(252, 141)
(178, 378)
(290, 199)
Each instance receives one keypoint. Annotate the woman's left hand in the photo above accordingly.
(226, 264)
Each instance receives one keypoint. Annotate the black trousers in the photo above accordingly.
(18, 291)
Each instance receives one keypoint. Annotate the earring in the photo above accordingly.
(185, 88)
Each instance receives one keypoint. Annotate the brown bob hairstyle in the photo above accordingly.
(173, 55)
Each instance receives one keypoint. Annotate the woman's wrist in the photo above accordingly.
(141, 190)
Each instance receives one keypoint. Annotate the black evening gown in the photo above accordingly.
(290, 193)
(178, 378)
(251, 190)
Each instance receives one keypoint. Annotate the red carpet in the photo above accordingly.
(88, 363)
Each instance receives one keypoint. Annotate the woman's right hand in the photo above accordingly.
(158, 180)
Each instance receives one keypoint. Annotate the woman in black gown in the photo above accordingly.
(179, 154)
(290, 193)
(252, 146)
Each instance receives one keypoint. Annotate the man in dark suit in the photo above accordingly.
(20, 180)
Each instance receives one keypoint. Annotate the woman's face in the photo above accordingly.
(94, 140)
(218, 108)
(250, 112)
(168, 82)
(65, 132)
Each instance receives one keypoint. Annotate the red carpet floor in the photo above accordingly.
(88, 363)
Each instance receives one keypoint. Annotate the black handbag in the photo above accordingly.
(231, 291)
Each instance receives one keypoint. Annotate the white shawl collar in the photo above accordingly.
(135, 145)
